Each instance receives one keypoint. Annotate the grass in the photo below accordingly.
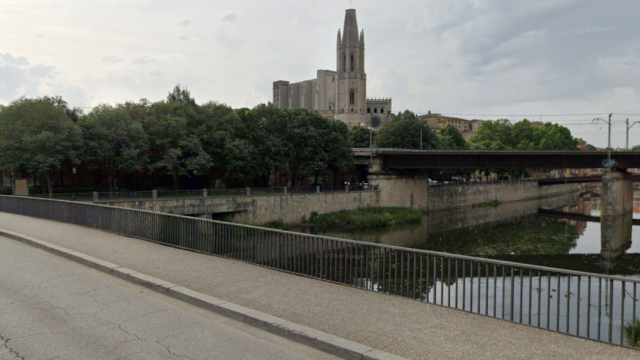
(373, 217)
(277, 224)
(628, 333)
(492, 203)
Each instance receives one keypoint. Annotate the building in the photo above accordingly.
(342, 93)
(435, 122)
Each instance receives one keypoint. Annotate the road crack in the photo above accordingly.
(4, 343)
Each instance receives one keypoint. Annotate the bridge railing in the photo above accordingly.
(593, 306)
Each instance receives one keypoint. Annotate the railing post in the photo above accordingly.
(285, 190)
(204, 193)
(154, 194)
(95, 197)
(248, 191)
(318, 189)
(346, 188)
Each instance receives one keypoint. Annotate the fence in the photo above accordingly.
(481, 183)
(200, 193)
(593, 306)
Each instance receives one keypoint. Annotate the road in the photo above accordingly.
(52, 308)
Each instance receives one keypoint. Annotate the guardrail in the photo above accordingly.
(592, 306)
(199, 193)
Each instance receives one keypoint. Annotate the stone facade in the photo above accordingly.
(343, 92)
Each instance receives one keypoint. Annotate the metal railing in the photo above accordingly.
(592, 306)
(199, 193)
(481, 183)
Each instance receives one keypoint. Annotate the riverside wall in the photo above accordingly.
(458, 197)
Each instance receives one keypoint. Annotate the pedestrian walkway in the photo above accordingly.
(403, 327)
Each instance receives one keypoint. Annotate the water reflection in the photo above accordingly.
(572, 236)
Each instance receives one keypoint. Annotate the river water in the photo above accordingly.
(520, 232)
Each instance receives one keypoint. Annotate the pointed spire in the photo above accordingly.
(339, 38)
(362, 38)
(350, 37)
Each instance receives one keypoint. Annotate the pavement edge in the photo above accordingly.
(322, 341)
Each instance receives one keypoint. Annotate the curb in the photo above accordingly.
(322, 341)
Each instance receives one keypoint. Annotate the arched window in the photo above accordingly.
(344, 62)
(352, 97)
(351, 61)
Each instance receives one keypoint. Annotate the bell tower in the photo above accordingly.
(351, 94)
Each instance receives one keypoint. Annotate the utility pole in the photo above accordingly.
(608, 139)
(629, 127)
(370, 143)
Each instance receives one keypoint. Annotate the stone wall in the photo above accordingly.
(456, 197)
(401, 190)
(290, 208)
(295, 207)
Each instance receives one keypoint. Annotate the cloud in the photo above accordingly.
(21, 78)
(112, 59)
(185, 23)
(229, 17)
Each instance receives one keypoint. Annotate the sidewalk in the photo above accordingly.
(399, 326)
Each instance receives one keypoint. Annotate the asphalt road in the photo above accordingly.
(52, 308)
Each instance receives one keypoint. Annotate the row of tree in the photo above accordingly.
(175, 137)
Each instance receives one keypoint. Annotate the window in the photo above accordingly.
(344, 62)
(368, 110)
(333, 79)
(351, 61)
(381, 110)
(375, 110)
(351, 109)
(352, 97)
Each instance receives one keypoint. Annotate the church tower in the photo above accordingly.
(351, 94)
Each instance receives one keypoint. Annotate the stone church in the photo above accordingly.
(341, 94)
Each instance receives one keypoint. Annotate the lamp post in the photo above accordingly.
(629, 127)
(370, 142)
(608, 139)
(421, 126)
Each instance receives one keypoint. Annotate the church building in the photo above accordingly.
(341, 94)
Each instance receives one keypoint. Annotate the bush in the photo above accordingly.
(374, 217)
(628, 333)
(277, 224)
(5, 190)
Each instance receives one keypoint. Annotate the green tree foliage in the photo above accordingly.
(37, 135)
(450, 138)
(403, 132)
(360, 137)
(174, 138)
(636, 148)
(502, 135)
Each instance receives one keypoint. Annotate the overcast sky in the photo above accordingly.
(487, 59)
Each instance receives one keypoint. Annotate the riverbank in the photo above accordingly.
(365, 218)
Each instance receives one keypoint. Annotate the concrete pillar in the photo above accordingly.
(285, 190)
(204, 193)
(617, 193)
(154, 194)
(95, 197)
(616, 209)
(248, 191)
(318, 189)
(346, 188)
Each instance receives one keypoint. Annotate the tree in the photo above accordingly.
(636, 148)
(403, 132)
(115, 140)
(450, 138)
(37, 135)
(360, 137)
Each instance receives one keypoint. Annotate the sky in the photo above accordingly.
(564, 61)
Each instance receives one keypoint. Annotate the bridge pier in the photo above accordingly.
(402, 190)
(616, 213)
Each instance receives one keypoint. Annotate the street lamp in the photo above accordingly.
(608, 139)
(370, 142)
(629, 127)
